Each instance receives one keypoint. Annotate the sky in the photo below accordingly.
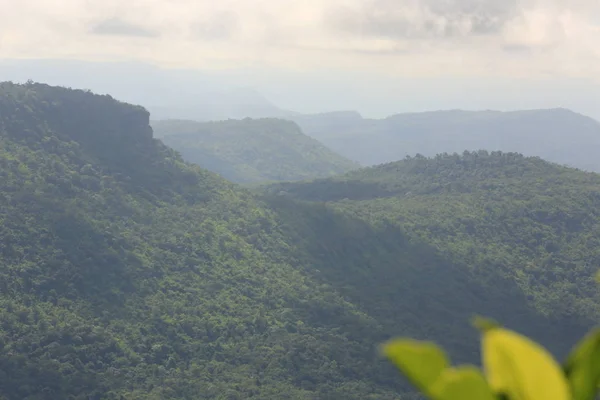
(377, 56)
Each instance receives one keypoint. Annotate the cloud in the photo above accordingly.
(119, 27)
(220, 26)
(407, 38)
(421, 19)
(517, 49)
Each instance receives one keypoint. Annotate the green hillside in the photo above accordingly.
(536, 223)
(129, 274)
(252, 150)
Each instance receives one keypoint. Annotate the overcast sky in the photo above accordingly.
(550, 46)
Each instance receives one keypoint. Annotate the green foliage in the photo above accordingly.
(516, 368)
(582, 368)
(128, 273)
(519, 368)
(252, 150)
(461, 383)
(535, 223)
(423, 363)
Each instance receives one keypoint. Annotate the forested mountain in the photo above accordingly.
(129, 274)
(536, 223)
(252, 150)
(556, 135)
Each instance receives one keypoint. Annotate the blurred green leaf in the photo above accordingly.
(485, 324)
(461, 383)
(521, 368)
(582, 367)
(421, 362)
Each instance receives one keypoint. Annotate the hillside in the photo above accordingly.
(129, 274)
(556, 135)
(536, 223)
(248, 150)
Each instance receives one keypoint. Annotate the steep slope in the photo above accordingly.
(535, 223)
(129, 274)
(556, 135)
(248, 150)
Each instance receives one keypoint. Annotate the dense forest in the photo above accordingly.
(128, 273)
(557, 135)
(536, 223)
(252, 150)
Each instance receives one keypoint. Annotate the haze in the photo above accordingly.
(288, 199)
(378, 57)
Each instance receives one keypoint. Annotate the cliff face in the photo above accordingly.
(28, 111)
(89, 129)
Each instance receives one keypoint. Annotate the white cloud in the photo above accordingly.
(118, 27)
(397, 37)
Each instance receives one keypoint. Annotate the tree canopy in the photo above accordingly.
(127, 273)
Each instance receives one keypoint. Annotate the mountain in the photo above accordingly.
(130, 274)
(330, 124)
(252, 150)
(535, 222)
(557, 135)
(127, 273)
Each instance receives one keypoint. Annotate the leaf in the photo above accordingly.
(484, 324)
(461, 383)
(521, 368)
(421, 362)
(583, 367)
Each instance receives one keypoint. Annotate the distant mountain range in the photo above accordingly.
(558, 135)
(252, 150)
